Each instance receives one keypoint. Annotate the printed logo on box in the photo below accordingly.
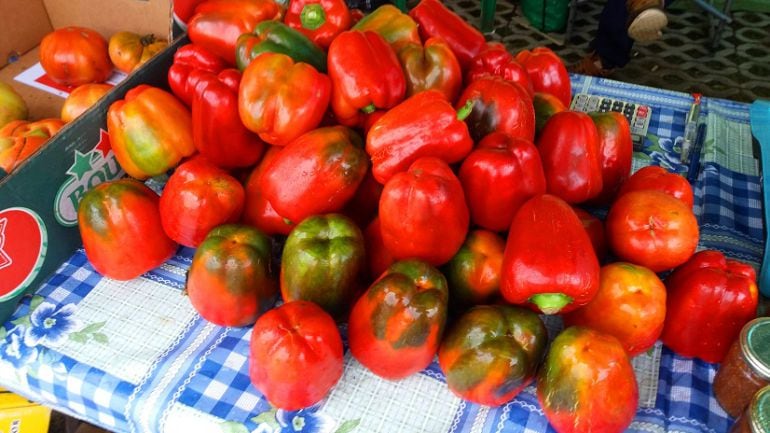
(89, 169)
(23, 246)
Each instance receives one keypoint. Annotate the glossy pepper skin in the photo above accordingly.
(582, 369)
(498, 177)
(257, 211)
(498, 106)
(316, 173)
(19, 139)
(218, 132)
(229, 282)
(395, 328)
(320, 20)
(436, 20)
(547, 73)
(616, 151)
(276, 37)
(280, 100)
(569, 149)
(430, 67)
(710, 298)
(389, 22)
(546, 105)
(549, 260)
(120, 225)
(150, 131)
(495, 60)
(188, 58)
(492, 353)
(408, 132)
(365, 74)
(198, 197)
(473, 273)
(423, 213)
(217, 24)
(295, 355)
(322, 262)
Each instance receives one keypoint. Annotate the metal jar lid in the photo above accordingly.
(760, 411)
(755, 345)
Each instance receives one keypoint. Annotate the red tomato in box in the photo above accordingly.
(296, 355)
(658, 178)
(198, 197)
(75, 55)
(81, 99)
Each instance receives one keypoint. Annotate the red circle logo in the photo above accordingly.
(23, 245)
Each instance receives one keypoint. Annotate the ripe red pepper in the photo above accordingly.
(498, 105)
(569, 148)
(188, 58)
(615, 152)
(280, 99)
(495, 59)
(436, 20)
(499, 176)
(433, 66)
(549, 260)
(423, 213)
(217, 24)
(408, 132)
(365, 75)
(547, 73)
(257, 211)
(320, 20)
(710, 298)
(218, 132)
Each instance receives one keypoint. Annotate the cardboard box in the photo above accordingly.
(19, 415)
(38, 201)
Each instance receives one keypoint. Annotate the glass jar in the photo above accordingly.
(756, 417)
(745, 369)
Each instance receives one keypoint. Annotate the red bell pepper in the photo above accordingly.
(547, 73)
(408, 132)
(710, 298)
(569, 148)
(499, 176)
(280, 99)
(549, 260)
(365, 75)
(320, 20)
(436, 20)
(257, 211)
(218, 132)
(498, 105)
(217, 24)
(615, 152)
(495, 59)
(189, 58)
(423, 214)
(433, 66)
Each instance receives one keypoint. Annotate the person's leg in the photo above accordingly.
(612, 43)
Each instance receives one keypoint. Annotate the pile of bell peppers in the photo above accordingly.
(428, 181)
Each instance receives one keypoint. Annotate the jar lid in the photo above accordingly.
(760, 411)
(754, 338)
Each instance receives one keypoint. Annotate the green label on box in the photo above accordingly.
(23, 246)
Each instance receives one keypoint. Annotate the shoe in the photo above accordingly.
(646, 20)
(591, 64)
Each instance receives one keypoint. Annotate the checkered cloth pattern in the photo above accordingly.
(202, 373)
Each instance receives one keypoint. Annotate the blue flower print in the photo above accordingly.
(49, 325)
(15, 351)
(305, 420)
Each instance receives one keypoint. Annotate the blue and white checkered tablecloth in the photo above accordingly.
(135, 357)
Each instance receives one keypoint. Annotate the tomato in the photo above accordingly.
(296, 355)
(120, 225)
(630, 305)
(658, 178)
(81, 99)
(198, 197)
(129, 50)
(75, 55)
(652, 229)
(19, 139)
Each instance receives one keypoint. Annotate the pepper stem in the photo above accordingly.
(369, 109)
(312, 16)
(465, 110)
(550, 303)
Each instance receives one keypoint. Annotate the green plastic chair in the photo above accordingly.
(488, 8)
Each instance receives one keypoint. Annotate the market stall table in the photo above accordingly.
(136, 357)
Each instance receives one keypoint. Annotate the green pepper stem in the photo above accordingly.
(550, 303)
(312, 16)
(369, 109)
(465, 110)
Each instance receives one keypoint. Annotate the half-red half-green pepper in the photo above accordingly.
(498, 105)
(320, 20)
(436, 20)
(365, 74)
(276, 37)
(395, 26)
(433, 66)
(709, 300)
(408, 131)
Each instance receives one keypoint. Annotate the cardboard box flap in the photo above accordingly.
(24, 23)
(110, 16)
